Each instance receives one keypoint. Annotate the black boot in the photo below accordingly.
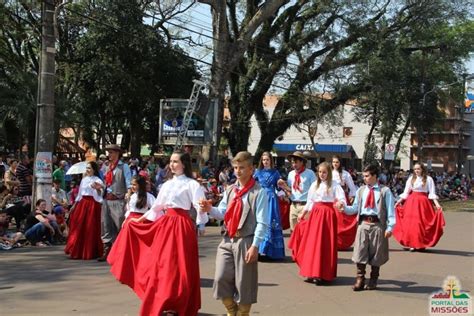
(360, 280)
(374, 276)
(106, 253)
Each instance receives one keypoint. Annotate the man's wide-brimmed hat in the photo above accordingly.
(297, 154)
(113, 147)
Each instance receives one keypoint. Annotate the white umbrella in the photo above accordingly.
(77, 168)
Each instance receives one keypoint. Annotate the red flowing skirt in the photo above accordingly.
(284, 213)
(84, 240)
(159, 261)
(346, 230)
(418, 225)
(314, 243)
(132, 215)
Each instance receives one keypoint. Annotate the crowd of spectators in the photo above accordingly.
(42, 227)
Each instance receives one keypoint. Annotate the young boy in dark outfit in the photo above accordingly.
(374, 206)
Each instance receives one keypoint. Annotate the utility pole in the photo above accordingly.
(44, 137)
(419, 128)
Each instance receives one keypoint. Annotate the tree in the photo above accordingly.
(120, 69)
(231, 41)
(301, 45)
(19, 47)
(402, 71)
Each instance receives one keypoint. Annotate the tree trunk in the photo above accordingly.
(228, 51)
(136, 130)
(399, 141)
(370, 135)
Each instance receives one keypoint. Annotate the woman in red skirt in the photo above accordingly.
(140, 201)
(157, 255)
(314, 241)
(346, 224)
(419, 224)
(84, 240)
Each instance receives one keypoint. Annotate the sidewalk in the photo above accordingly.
(42, 281)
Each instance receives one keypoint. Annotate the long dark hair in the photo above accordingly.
(424, 174)
(339, 170)
(95, 168)
(185, 159)
(141, 193)
(269, 155)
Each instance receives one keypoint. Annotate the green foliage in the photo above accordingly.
(112, 70)
(18, 73)
(408, 67)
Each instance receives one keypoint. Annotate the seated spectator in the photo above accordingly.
(144, 172)
(10, 178)
(8, 240)
(73, 193)
(60, 203)
(40, 226)
(134, 169)
(14, 205)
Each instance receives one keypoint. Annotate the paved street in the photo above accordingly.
(44, 282)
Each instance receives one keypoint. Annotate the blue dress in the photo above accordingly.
(273, 245)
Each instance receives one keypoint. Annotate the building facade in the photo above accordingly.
(346, 141)
(447, 146)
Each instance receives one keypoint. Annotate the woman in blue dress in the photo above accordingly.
(273, 247)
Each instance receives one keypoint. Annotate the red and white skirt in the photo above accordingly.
(84, 240)
(159, 261)
(314, 243)
(418, 225)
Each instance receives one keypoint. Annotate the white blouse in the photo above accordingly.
(346, 180)
(132, 204)
(322, 195)
(85, 189)
(178, 192)
(418, 187)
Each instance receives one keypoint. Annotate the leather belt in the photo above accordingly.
(369, 218)
(298, 202)
(111, 197)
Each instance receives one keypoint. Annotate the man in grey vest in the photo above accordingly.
(244, 209)
(118, 182)
(374, 205)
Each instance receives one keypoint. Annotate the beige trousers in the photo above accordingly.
(295, 210)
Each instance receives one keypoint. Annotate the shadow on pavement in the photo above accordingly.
(405, 287)
(344, 261)
(206, 283)
(449, 252)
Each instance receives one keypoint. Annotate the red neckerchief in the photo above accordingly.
(296, 184)
(234, 210)
(109, 176)
(370, 202)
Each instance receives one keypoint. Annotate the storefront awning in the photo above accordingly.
(320, 148)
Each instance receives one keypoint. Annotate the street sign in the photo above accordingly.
(389, 152)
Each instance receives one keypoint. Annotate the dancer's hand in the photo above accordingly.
(205, 205)
(251, 255)
(302, 216)
(399, 202)
(340, 206)
(388, 234)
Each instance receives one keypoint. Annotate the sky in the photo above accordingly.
(199, 20)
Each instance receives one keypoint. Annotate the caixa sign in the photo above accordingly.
(304, 147)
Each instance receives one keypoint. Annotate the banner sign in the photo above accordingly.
(469, 97)
(44, 165)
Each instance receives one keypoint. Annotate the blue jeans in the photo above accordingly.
(36, 233)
